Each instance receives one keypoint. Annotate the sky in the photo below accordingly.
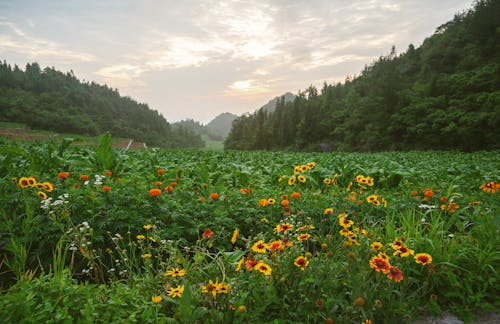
(197, 59)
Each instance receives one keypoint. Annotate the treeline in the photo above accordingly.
(443, 95)
(51, 100)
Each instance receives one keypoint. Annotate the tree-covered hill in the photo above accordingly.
(51, 100)
(443, 95)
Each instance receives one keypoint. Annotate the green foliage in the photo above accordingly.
(106, 253)
(440, 96)
(104, 153)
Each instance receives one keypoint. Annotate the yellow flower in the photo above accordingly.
(176, 291)
(259, 247)
(156, 299)
(301, 262)
(376, 245)
(263, 268)
(42, 195)
(303, 237)
(242, 309)
(302, 178)
(423, 258)
(291, 180)
(328, 211)
(140, 237)
(240, 264)
(222, 288)
(146, 256)
(311, 165)
(271, 201)
(176, 272)
(210, 288)
(47, 186)
(235, 236)
(147, 227)
(23, 182)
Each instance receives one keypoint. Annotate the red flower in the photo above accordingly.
(214, 195)
(84, 177)
(106, 188)
(63, 175)
(207, 233)
(395, 274)
(154, 192)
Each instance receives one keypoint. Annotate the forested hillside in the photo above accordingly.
(51, 100)
(443, 95)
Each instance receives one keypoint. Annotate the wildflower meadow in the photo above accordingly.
(92, 234)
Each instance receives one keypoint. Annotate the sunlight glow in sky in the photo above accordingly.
(197, 59)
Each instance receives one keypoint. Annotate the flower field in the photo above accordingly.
(103, 235)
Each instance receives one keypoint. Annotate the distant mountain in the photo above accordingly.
(271, 105)
(220, 126)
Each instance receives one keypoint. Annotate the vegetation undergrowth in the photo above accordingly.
(102, 235)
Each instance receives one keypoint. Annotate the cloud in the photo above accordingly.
(14, 39)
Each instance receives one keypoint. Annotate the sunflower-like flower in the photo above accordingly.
(176, 272)
(423, 258)
(263, 268)
(210, 288)
(380, 264)
(376, 245)
(301, 262)
(303, 237)
(259, 247)
(176, 291)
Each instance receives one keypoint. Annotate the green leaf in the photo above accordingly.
(104, 153)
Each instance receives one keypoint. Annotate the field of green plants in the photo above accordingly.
(180, 236)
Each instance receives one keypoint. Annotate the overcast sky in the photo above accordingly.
(197, 59)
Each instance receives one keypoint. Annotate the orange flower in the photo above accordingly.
(63, 175)
(201, 199)
(285, 203)
(428, 192)
(207, 233)
(263, 202)
(108, 173)
(395, 274)
(106, 188)
(84, 177)
(295, 195)
(169, 189)
(154, 192)
(214, 195)
(161, 171)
